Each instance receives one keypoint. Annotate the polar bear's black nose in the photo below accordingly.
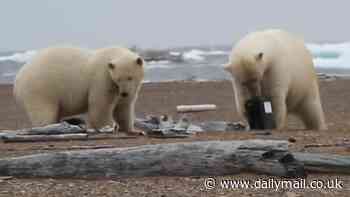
(125, 94)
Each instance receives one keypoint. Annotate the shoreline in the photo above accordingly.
(320, 75)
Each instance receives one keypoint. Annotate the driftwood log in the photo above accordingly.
(53, 129)
(324, 163)
(54, 132)
(71, 129)
(178, 159)
(44, 138)
(210, 158)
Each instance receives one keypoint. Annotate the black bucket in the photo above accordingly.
(260, 113)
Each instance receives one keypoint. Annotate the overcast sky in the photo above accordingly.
(28, 24)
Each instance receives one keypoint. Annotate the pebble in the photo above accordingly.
(292, 140)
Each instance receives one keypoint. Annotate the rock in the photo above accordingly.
(292, 140)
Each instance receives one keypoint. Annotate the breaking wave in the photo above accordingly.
(200, 55)
(196, 63)
(335, 55)
(21, 57)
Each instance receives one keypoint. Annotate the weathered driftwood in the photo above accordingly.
(43, 138)
(5, 178)
(63, 137)
(327, 163)
(179, 159)
(53, 129)
(195, 108)
(70, 129)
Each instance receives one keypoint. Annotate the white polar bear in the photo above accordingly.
(66, 81)
(276, 64)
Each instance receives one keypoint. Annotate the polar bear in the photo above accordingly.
(66, 81)
(276, 64)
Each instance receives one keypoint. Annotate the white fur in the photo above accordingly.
(285, 72)
(66, 81)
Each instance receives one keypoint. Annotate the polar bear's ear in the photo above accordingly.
(227, 67)
(139, 61)
(259, 56)
(111, 66)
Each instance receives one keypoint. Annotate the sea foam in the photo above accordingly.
(200, 55)
(21, 57)
(335, 55)
(201, 63)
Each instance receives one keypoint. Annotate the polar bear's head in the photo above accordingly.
(127, 73)
(248, 71)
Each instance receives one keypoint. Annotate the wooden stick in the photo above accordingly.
(90, 147)
(195, 108)
(75, 147)
(179, 159)
(43, 138)
(327, 145)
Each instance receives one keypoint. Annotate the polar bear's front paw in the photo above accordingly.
(244, 124)
(136, 132)
(115, 128)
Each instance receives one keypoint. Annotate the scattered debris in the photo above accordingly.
(165, 126)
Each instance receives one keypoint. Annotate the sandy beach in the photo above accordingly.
(162, 98)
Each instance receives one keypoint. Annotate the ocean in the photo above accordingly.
(195, 63)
